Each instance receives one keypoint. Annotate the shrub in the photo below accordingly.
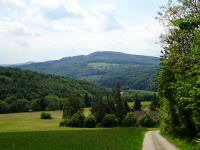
(129, 120)
(77, 120)
(110, 120)
(90, 121)
(63, 123)
(147, 121)
(45, 115)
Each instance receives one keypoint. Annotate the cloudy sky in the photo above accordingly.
(39, 30)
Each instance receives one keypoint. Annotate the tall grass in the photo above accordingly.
(105, 139)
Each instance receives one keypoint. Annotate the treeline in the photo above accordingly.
(179, 77)
(26, 90)
(130, 96)
(107, 111)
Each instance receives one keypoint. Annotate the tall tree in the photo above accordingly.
(120, 105)
(176, 77)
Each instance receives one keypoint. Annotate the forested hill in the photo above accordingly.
(32, 85)
(105, 69)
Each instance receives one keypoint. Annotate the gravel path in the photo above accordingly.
(154, 141)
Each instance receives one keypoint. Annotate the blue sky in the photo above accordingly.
(40, 30)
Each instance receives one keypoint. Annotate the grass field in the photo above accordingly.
(145, 104)
(104, 139)
(26, 131)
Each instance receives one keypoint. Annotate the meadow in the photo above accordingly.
(26, 131)
(145, 104)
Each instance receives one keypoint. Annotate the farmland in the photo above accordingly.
(27, 131)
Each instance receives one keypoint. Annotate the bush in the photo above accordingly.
(90, 121)
(63, 123)
(77, 120)
(147, 121)
(45, 116)
(110, 120)
(129, 120)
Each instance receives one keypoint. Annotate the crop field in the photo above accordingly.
(26, 131)
(103, 139)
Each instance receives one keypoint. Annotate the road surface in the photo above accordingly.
(154, 141)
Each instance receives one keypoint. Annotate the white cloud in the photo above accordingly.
(49, 29)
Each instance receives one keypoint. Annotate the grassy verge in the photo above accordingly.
(182, 144)
(104, 139)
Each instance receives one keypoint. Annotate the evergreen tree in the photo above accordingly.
(120, 105)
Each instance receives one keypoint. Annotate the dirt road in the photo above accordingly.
(154, 141)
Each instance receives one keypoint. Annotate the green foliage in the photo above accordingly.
(45, 115)
(105, 69)
(179, 72)
(137, 106)
(155, 105)
(71, 106)
(147, 121)
(52, 102)
(101, 107)
(133, 95)
(120, 105)
(4, 108)
(24, 90)
(77, 120)
(35, 105)
(110, 120)
(129, 120)
(90, 121)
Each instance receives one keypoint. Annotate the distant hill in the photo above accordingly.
(104, 69)
(32, 85)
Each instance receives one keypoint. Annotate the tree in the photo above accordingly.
(52, 102)
(137, 106)
(71, 106)
(103, 105)
(120, 105)
(179, 74)
(35, 105)
(4, 108)
(87, 100)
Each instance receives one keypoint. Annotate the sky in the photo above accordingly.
(40, 30)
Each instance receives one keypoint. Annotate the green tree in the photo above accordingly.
(120, 105)
(4, 108)
(35, 105)
(137, 106)
(52, 102)
(178, 76)
(71, 106)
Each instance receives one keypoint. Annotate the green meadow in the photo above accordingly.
(26, 131)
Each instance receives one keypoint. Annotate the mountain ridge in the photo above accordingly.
(104, 68)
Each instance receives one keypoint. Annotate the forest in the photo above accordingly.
(27, 90)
